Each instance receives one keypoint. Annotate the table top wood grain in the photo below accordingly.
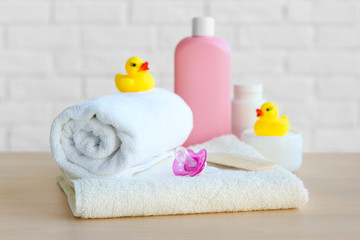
(32, 206)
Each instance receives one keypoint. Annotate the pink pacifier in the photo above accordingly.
(187, 162)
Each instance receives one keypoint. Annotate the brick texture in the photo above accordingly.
(324, 62)
(68, 61)
(3, 140)
(258, 62)
(247, 11)
(24, 61)
(25, 113)
(339, 87)
(97, 87)
(323, 11)
(337, 140)
(45, 36)
(2, 37)
(3, 88)
(32, 139)
(24, 11)
(90, 11)
(56, 53)
(339, 37)
(117, 37)
(163, 11)
(283, 36)
(298, 89)
(39, 89)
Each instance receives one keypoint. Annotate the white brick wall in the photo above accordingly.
(278, 36)
(41, 89)
(247, 11)
(48, 36)
(55, 53)
(323, 11)
(90, 11)
(164, 11)
(17, 61)
(324, 62)
(24, 11)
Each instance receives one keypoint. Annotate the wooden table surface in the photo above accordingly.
(32, 206)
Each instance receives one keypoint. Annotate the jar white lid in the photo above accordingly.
(248, 87)
(241, 89)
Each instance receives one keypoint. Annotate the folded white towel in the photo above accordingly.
(110, 134)
(157, 191)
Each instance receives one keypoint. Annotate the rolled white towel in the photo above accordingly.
(104, 137)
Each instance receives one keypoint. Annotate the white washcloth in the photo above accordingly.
(157, 191)
(111, 134)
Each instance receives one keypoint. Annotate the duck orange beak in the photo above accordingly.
(259, 113)
(144, 67)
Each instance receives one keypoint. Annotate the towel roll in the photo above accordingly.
(106, 136)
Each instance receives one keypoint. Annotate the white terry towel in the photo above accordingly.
(104, 137)
(157, 191)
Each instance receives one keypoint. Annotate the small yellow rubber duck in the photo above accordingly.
(269, 124)
(137, 79)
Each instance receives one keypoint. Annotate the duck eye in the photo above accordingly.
(133, 64)
(268, 109)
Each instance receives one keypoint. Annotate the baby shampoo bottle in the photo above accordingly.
(203, 80)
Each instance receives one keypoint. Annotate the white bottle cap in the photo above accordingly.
(203, 26)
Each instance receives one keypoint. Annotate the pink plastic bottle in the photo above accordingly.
(202, 79)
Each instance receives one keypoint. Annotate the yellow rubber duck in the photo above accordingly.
(137, 78)
(269, 124)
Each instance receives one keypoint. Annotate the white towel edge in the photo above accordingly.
(69, 191)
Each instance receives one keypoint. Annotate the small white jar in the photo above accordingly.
(247, 98)
(285, 151)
